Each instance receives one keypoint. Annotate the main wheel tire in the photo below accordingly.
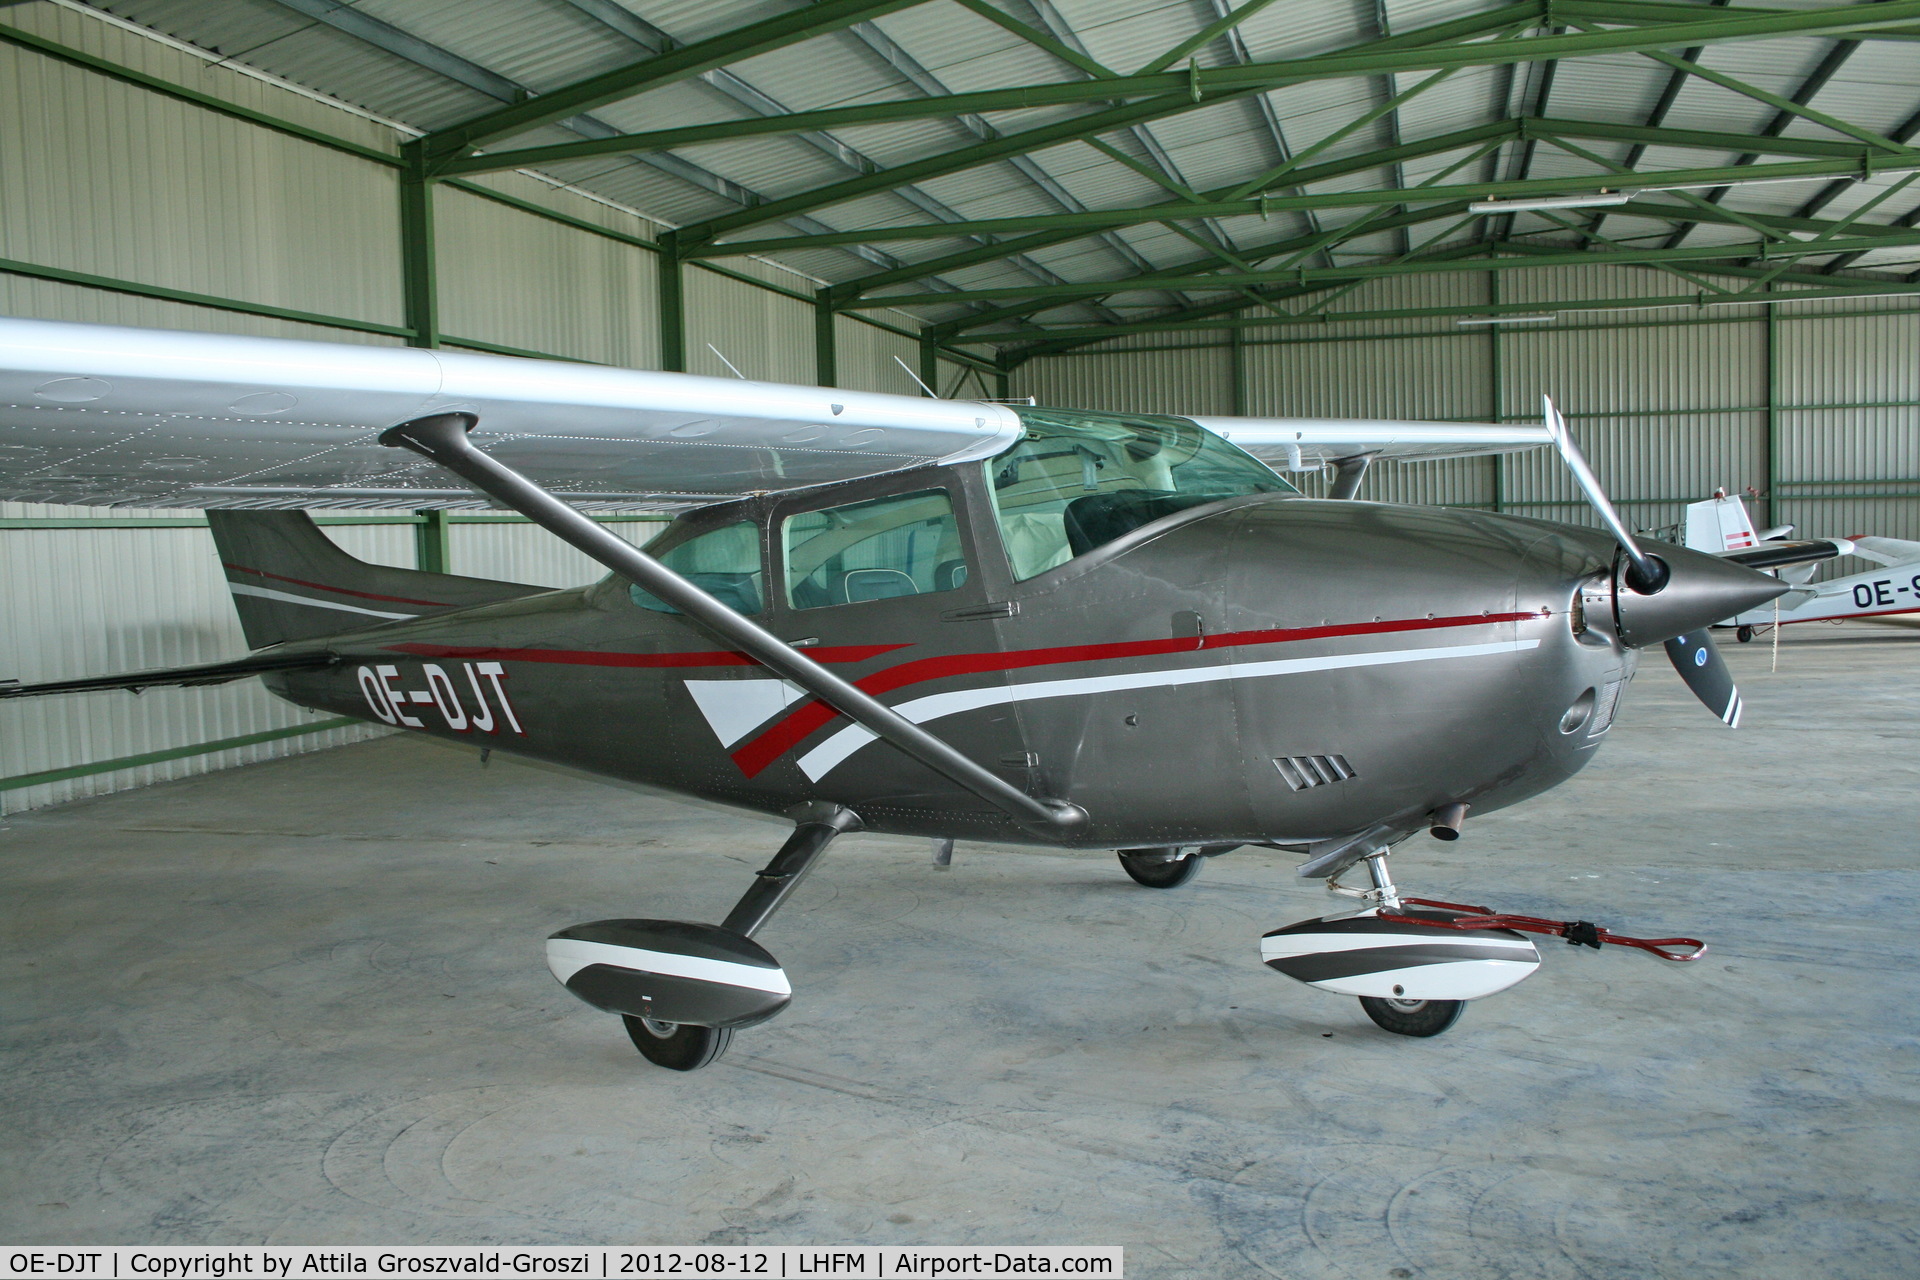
(1413, 1017)
(1160, 874)
(1743, 634)
(677, 1046)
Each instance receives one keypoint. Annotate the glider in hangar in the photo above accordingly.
(1721, 525)
(943, 619)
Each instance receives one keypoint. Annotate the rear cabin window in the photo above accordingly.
(901, 546)
(1077, 481)
(723, 562)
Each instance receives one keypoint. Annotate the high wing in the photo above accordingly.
(107, 416)
(1308, 444)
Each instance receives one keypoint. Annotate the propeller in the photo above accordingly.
(1647, 575)
(1693, 654)
(1705, 672)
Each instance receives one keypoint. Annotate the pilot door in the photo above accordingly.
(882, 580)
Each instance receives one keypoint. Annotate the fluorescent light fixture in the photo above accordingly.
(1549, 202)
(1469, 320)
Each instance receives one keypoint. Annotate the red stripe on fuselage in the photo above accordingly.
(581, 658)
(338, 591)
(762, 751)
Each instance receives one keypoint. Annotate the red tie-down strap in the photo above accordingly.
(1576, 932)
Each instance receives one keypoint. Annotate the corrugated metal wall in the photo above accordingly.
(511, 278)
(101, 177)
(1668, 404)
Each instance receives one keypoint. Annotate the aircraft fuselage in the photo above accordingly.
(1261, 668)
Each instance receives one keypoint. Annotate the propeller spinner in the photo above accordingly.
(1706, 590)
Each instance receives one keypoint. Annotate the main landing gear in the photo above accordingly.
(1171, 867)
(1415, 962)
(683, 988)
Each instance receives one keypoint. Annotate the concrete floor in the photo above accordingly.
(304, 1002)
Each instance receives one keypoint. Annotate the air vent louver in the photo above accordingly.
(1304, 772)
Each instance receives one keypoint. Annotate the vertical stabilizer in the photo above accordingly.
(291, 582)
(1720, 524)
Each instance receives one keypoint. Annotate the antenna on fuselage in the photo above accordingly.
(916, 377)
(729, 363)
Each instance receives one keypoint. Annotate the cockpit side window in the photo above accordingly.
(1077, 481)
(723, 562)
(906, 545)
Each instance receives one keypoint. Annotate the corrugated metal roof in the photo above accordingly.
(445, 63)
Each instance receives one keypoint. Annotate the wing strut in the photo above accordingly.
(442, 437)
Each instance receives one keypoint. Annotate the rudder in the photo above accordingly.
(291, 582)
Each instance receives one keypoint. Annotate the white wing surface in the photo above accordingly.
(107, 416)
(1887, 551)
(1307, 444)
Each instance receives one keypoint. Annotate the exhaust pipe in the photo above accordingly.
(1447, 821)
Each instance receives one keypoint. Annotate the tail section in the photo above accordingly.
(1720, 524)
(290, 582)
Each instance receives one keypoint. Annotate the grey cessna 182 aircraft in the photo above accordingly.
(932, 618)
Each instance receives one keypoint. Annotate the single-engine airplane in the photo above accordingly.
(928, 618)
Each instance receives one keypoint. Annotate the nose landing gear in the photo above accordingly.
(1415, 962)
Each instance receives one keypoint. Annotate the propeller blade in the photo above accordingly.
(1705, 671)
(1648, 575)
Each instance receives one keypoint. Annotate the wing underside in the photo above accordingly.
(105, 416)
(1308, 444)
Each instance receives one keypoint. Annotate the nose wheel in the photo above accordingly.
(677, 1046)
(1413, 1017)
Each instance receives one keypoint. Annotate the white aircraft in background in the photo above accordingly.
(1888, 594)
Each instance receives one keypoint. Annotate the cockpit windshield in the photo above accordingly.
(1079, 480)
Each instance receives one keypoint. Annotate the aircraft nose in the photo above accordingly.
(1702, 590)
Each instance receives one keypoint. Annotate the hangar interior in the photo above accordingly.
(1193, 207)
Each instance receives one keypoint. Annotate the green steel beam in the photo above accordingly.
(1047, 341)
(1205, 36)
(109, 284)
(1098, 333)
(1736, 85)
(944, 105)
(1546, 128)
(45, 776)
(670, 291)
(1275, 248)
(1173, 92)
(826, 372)
(419, 274)
(1106, 219)
(220, 106)
(1550, 127)
(683, 63)
(1373, 271)
(1039, 39)
(1628, 11)
(432, 551)
(1498, 130)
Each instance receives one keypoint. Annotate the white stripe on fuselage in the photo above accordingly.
(242, 589)
(820, 761)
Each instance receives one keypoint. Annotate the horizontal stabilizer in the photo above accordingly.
(183, 677)
(1308, 444)
(106, 416)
